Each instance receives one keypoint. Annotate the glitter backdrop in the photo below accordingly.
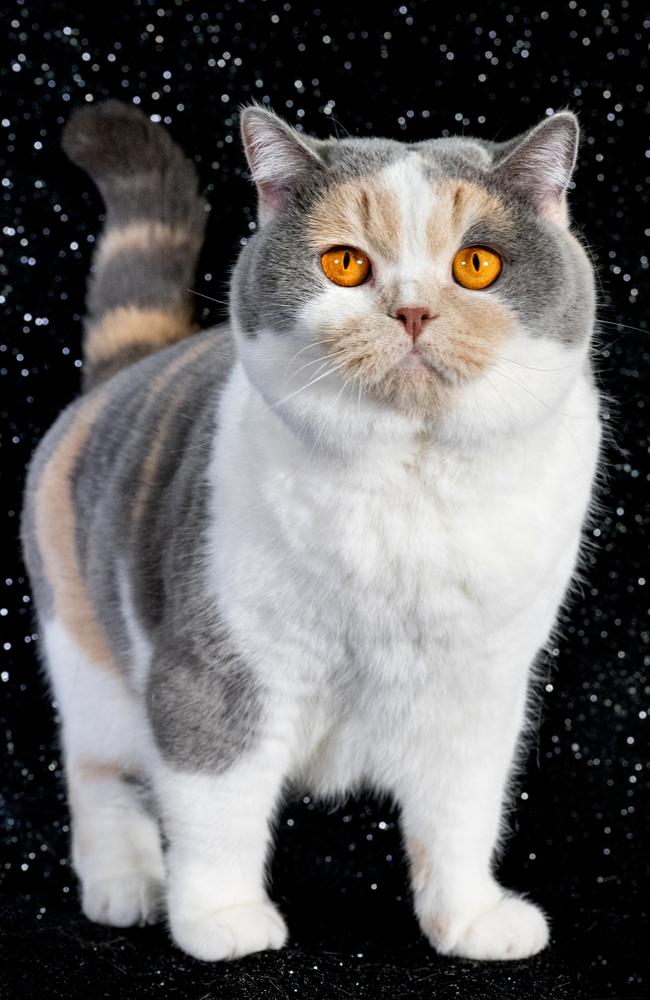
(410, 71)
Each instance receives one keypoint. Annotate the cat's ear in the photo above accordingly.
(539, 164)
(278, 157)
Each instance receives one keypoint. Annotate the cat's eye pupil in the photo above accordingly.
(346, 260)
(476, 262)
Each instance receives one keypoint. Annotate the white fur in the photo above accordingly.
(415, 196)
(219, 834)
(115, 842)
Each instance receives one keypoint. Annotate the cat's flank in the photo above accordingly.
(321, 546)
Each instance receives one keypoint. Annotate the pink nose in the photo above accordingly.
(413, 317)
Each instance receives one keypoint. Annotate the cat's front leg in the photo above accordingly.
(219, 836)
(452, 789)
(223, 755)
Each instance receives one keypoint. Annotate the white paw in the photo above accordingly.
(512, 928)
(123, 900)
(229, 933)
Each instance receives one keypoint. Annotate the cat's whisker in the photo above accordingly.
(323, 341)
(313, 381)
(508, 406)
(622, 326)
(320, 361)
(560, 413)
(600, 344)
(325, 357)
(329, 415)
(202, 295)
(553, 409)
(530, 368)
(263, 359)
(314, 343)
(574, 416)
(254, 359)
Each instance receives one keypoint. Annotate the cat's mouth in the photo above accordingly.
(415, 360)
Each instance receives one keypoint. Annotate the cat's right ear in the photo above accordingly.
(539, 164)
(278, 158)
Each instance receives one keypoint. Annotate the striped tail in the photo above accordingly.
(137, 299)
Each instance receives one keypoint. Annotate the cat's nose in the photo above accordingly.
(413, 318)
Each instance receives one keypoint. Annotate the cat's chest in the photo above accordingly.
(421, 541)
(397, 551)
(388, 555)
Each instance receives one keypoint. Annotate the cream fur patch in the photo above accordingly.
(127, 325)
(363, 214)
(139, 236)
(55, 532)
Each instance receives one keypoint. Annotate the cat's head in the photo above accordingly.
(434, 284)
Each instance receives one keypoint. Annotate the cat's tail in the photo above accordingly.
(137, 299)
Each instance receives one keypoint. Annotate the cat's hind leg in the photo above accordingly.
(116, 847)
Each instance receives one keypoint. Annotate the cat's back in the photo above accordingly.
(114, 465)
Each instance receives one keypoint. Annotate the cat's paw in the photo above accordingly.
(229, 933)
(124, 900)
(511, 929)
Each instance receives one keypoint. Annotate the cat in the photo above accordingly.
(320, 546)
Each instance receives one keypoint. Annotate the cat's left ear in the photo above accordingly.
(278, 157)
(539, 164)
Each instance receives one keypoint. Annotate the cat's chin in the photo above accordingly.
(415, 361)
(415, 389)
(417, 386)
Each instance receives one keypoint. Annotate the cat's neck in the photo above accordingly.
(332, 427)
(355, 436)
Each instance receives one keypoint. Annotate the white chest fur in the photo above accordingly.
(403, 552)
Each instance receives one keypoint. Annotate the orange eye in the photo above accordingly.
(476, 267)
(345, 266)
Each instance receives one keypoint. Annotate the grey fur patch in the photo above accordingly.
(153, 278)
(139, 170)
(351, 159)
(202, 718)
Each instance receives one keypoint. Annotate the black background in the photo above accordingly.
(410, 71)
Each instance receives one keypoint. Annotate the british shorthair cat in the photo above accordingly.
(322, 545)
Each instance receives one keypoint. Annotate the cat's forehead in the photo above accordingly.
(385, 196)
(353, 157)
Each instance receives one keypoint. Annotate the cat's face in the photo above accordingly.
(435, 282)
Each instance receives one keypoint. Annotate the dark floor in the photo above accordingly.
(341, 881)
